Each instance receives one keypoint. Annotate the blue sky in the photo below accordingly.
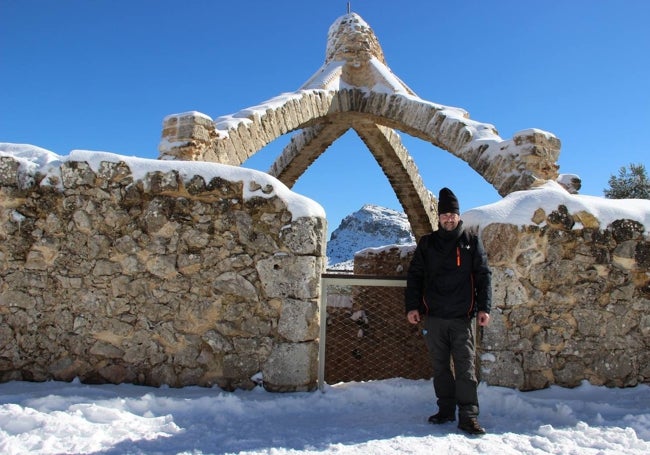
(102, 75)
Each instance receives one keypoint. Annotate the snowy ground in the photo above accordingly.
(380, 417)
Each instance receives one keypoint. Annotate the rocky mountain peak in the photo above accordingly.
(371, 226)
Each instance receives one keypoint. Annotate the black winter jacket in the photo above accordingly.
(449, 276)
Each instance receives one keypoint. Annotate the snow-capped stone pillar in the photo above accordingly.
(187, 136)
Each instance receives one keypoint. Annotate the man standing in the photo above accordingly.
(448, 283)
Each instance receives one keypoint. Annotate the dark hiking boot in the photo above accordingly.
(471, 426)
(441, 418)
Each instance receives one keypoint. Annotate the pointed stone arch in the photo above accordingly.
(355, 90)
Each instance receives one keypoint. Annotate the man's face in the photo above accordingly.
(449, 221)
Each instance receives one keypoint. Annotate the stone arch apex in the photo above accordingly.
(355, 89)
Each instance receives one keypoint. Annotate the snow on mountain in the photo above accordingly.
(371, 226)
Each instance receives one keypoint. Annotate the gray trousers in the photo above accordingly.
(453, 339)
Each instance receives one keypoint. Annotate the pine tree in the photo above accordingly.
(629, 185)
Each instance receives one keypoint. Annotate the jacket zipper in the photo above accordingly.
(471, 305)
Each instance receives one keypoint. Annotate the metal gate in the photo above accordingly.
(364, 334)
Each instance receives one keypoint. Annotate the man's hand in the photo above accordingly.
(413, 316)
(483, 318)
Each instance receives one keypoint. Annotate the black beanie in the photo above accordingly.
(448, 202)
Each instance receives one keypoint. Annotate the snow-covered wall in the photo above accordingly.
(117, 269)
(571, 288)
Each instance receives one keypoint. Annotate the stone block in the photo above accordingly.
(288, 276)
(298, 320)
(503, 369)
(291, 367)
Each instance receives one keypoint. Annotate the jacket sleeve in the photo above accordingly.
(483, 278)
(415, 277)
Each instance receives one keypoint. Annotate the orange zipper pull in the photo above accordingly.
(458, 256)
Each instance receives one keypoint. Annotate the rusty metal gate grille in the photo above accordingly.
(364, 333)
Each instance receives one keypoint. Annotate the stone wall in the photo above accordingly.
(174, 279)
(568, 304)
(161, 280)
